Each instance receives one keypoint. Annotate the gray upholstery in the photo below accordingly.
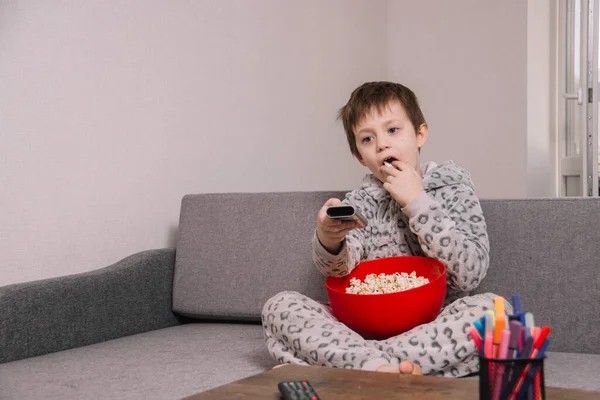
(547, 251)
(234, 251)
(176, 362)
(168, 363)
(129, 297)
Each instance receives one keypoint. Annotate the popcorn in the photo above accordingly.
(382, 283)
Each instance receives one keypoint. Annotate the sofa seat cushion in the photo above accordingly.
(573, 370)
(169, 363)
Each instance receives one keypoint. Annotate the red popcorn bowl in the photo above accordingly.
(381, 316)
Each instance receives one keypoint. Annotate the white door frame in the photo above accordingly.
(583, 101)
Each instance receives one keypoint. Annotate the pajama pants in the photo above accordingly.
(302, 331)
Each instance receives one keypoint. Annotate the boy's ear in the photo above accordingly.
(422, 135)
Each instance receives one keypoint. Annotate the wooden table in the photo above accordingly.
(344, 384)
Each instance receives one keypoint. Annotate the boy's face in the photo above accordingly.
(389, 134)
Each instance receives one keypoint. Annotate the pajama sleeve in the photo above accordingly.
(452, 230)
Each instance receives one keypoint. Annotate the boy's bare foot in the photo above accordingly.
(405, 367)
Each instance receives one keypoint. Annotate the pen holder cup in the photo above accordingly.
(503, 379)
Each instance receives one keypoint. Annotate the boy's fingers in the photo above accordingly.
(333, 231)
(400, 165)
(403, 165)
(340, 232)
(333, 202)
(338, 228)
(349, 225)
(330, 221)
(388, 172)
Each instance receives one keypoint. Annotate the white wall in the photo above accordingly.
(111, 111)
(467, 62)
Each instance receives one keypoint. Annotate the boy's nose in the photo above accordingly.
(382, 144)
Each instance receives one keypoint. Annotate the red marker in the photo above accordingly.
(476, 338)
(537, 345)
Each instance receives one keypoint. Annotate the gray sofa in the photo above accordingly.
(167, 324)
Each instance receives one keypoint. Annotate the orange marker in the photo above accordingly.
(500, 322)
(499, 305)
(499, 326)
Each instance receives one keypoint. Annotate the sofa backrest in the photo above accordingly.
(547, 251)
(236, 250)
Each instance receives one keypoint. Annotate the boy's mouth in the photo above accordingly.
(389, 160)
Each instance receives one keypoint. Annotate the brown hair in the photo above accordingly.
(377, 94)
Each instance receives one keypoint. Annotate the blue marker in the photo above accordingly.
(533, 370)
(516, 303)
(522, 319)
(480, 326)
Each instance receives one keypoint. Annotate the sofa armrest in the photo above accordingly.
(129, 297)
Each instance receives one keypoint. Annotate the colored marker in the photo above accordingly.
(499, 370)
(533, 370)
(499, 306)
(536, 331)
(476, 338)
(499, 327)
(532, 374)
(539, 342)
(480, 326)
(516, 337)
(488, 343)
(517, 369)
(483, 323)
(534, 353)
(527, 347)
(526, 335)
(516, 330)
(516, 303)
(529, 321)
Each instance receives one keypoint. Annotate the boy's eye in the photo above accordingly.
(367, 139)
(392, 130)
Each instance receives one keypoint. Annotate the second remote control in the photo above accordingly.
(298, 390)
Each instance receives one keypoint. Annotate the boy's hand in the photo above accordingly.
(402, 182)
(332, 232)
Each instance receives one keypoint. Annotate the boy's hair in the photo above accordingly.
(379, 95)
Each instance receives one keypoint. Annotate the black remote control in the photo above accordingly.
(298, 390)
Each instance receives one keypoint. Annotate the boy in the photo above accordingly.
(426, 210)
